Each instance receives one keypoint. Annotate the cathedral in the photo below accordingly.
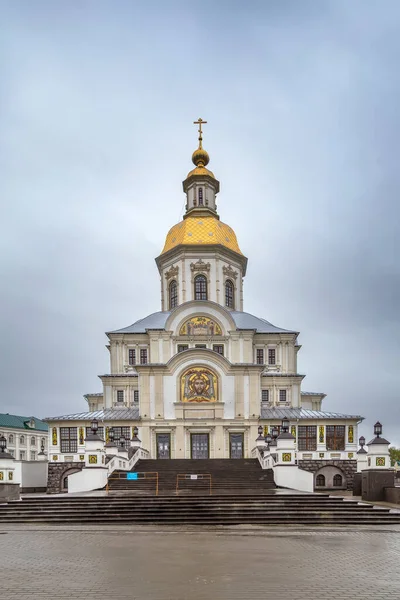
(202, 378)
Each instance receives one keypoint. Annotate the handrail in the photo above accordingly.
(194, 477)
(127, 464)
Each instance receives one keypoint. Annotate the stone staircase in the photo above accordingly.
(224, 476)
(272, 508)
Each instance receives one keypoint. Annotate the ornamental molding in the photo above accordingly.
(229, 272)
(200, 265)
(173, 272)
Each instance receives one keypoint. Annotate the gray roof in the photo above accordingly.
(108, 414)
(313, 394)
(302, 413)
(242, 320)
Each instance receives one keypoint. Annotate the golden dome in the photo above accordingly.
(201, 230)
(201, 171)
(200, 157)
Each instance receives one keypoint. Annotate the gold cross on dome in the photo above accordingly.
(200, 122)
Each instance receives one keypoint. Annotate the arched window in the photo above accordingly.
(320, 481)
(33, 441)
(337, 480)
(200, 196)
(43, 442)
(200, 288)
(173, 294)
(229, 294)
(22, 439)
(11, 439)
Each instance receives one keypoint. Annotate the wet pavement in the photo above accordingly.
(162, 563)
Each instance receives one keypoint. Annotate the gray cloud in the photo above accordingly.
(96, 111)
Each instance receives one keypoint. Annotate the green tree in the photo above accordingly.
(394, 455)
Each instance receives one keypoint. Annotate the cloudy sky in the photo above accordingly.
(97, 100)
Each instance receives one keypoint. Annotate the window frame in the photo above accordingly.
(335, 480)
(182, 347)
(173, 294)
(100, 431)
(132, 356)
(124, 430)
(283, 392)
(120, 396)
(219, 349)
(68, 440)
(144, 359)
(307, 438)
(272, 356)
(263, 393)
(229, 294)
(200, 287)
(200, 196)
(260, 356)
(136, 396)
(335, 442)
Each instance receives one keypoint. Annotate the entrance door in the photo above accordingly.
(163, 445)
(236, 445)
(199, 445)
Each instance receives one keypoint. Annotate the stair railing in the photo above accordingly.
(123, 464)
(193, 477)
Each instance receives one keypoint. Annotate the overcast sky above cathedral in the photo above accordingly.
(97, 103)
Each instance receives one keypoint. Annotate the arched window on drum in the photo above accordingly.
(229, 294)
(200, 288)
(173, 294)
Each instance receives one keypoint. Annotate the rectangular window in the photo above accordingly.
(100, 432)
(120, 395)
(282, 395)
(125, 431)
(260, 356)
(132, 356)
(10, 452)
(136, 395)
(335, 437)
(307, 437)
(265, 395)
(68, 439)
(33, 441)
(271, 356)
(22, 455)
(183, 347)
(33, 455)
(200, 345)
(143, 356)
(219, 348)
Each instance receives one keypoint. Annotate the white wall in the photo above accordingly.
(34, 474)
(293, 478)
(87, 480)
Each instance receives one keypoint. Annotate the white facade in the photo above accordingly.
(24, 441)
(199, 377)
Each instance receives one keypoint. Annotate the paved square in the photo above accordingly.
(199, 564)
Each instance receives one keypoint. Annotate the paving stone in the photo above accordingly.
(199, 564)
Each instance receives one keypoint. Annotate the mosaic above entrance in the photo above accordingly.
(199, 385)
(200, 326)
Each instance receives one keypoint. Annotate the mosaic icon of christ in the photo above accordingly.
(198, 386)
